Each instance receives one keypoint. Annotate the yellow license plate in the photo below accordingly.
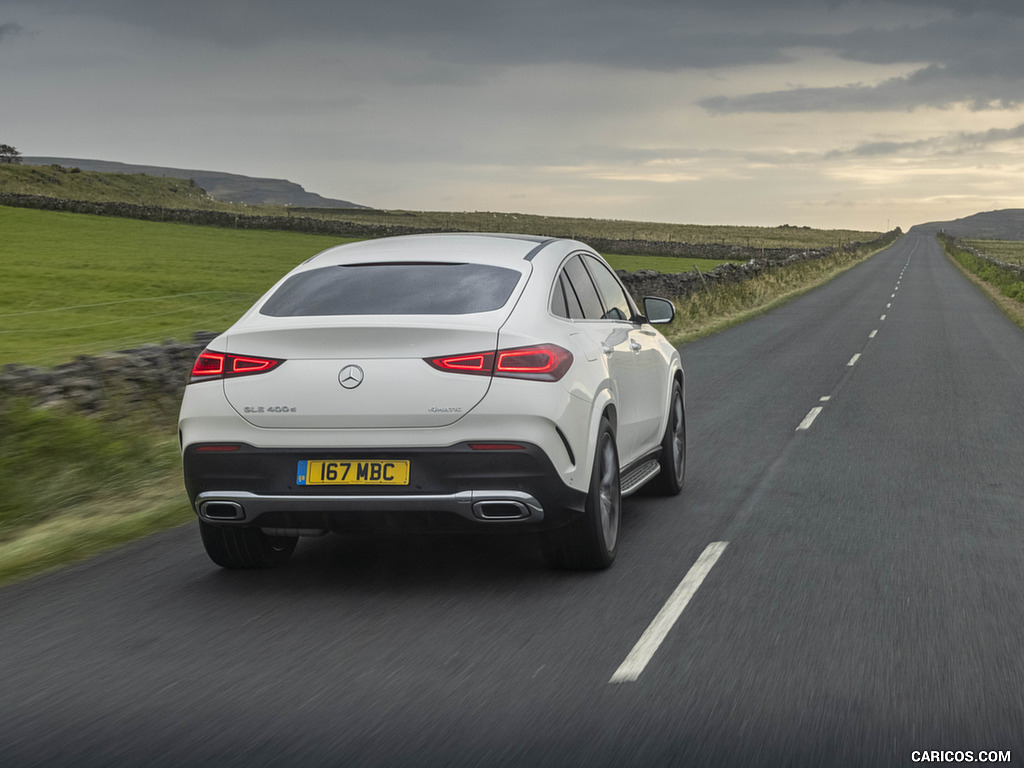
(353, 472)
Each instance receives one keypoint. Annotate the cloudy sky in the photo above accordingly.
(767, 112)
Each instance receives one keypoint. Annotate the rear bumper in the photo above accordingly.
(449, 488)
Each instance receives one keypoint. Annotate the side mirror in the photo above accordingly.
(659, 311)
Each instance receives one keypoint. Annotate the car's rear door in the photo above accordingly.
(649, 375)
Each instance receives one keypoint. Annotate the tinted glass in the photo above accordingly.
(583, 288)
(563, 299)
(394, 289)
(558, 305)
(572, 303)
(614, 298)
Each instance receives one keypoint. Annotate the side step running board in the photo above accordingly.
(636, 477)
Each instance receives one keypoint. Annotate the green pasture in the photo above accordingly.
(135, 188)
(77, 284)
(1010, 251)
(665, 264)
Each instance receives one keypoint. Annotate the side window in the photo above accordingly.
(583, 289)
(563, 299)
(559, 308)
(614, 298)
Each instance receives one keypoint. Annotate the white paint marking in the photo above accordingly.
(854, 359)
(882, 318)
(888, 306)
(873, 334)
(655, 634)
(826, 398)
(893, 296)
(809, 418)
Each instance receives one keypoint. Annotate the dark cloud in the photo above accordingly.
(952, 144)
(965, 51)
(9, 29)
(642, 34)
(976, 60)
(935, 86)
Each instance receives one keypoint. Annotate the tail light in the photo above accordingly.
(540, 362)
(212, 365)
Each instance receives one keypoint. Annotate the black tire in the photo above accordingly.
(590, 542)
(669, 481)
(245, 547)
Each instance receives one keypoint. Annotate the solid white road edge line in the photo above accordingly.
(809, 418)
(651, 639)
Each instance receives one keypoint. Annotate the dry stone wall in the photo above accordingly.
(1005, 265)
(112, 382)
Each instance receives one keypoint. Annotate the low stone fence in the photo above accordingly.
(1017, 269)
(110, 382)
(646, 282)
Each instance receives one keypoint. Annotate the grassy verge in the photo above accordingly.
(722, 306)
(1004, 287)
(75, 484)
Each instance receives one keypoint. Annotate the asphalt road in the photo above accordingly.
(866, 603)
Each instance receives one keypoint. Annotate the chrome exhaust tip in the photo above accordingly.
(501, 509)
(221, 510)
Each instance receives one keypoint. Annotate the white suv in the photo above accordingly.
(474, 381)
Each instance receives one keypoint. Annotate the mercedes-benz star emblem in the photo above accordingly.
(351, 376)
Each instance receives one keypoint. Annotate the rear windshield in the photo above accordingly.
(394, 289)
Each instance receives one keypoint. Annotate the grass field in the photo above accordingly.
(78, 284)
(73, 184)
(1010, 251)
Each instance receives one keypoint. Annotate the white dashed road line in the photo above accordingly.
(655, 634)
(853, 360)
(873, 334)
(809, 418)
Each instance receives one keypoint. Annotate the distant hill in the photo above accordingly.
(1007, 224)
(226, 187)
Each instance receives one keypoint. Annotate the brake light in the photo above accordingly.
(212, 365)
(541, 362)
(480, 363)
